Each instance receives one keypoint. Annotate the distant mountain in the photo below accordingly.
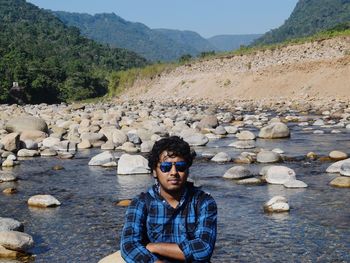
(188, 38)
(152, 44)
(308, 18)
(232, 42)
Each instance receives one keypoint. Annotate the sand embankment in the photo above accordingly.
(319, 70)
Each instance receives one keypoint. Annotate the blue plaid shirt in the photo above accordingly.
(150, 219)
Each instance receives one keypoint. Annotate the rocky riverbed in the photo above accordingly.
(278, 170)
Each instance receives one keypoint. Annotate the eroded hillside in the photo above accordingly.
(319, 69)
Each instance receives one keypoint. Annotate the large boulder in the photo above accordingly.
(295, 184)
(195, 139)
(243, 144)
(341, 181)
(15, 240)
(245, 135)
(11, 142)
(9, 224)
(267, 157)
(276, 204)
(274, 131)
(132, 164)
(279, 175)
(37, 136)
(102, 158)
(43, 201)
(237, 172)
(221, 157)
(335, 167)
(210, 121)
(27, 153)
(26, 123)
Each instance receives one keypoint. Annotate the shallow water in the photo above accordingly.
(87, 225)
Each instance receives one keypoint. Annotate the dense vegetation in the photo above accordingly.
(153, 44)
(308, 18)
(50, 61)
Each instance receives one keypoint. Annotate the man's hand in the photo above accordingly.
(170, 250)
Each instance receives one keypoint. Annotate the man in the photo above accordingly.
(174, 221)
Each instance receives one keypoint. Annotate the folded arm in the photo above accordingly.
(201, 247)
(133, 240)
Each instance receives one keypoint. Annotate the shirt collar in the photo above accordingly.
(155, 192)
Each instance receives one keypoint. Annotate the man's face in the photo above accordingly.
(174, 180)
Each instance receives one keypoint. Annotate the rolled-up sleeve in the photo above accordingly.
(133, 239)
(201, 247)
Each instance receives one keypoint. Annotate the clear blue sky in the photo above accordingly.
(207, 17)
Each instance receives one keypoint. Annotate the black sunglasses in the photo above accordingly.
(165, 167)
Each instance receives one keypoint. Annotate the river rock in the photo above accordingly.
(250, 181)
(113, 258)
(102, 158)
(345, 169)
(94, 138)
(210, 121)
(133, 137)
(128, 147)
(8, 163)
(245, 135)
(220, 130)
(66, 146)
(9, 224)
(318, 122)
(26, 123)
(7, 177)
(48, 153)
(276, 204)
(27, 153)
(30, 145)
(15, 240)
(84, 144)
(274, 131)
(335, 167)
(50, 142)
(248, 144)
(279, 174)
(237, 172)
(43, 201)
(231, 129)
(109, 145)
(11, 142)
(132, 164)
(265, 156)
(147, 146)
(338, 155)
(7, 253)
(221, 157)
(10, 191)
(295, 184)
(37, 136)
(341, 181)
(196, 139)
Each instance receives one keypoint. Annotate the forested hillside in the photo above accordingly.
(308, 18)
(50, 61)
(117, 32)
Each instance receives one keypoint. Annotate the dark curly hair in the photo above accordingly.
(175, 146)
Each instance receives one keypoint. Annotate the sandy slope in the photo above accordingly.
(320, 69)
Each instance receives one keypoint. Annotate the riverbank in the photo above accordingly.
(316, 70)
